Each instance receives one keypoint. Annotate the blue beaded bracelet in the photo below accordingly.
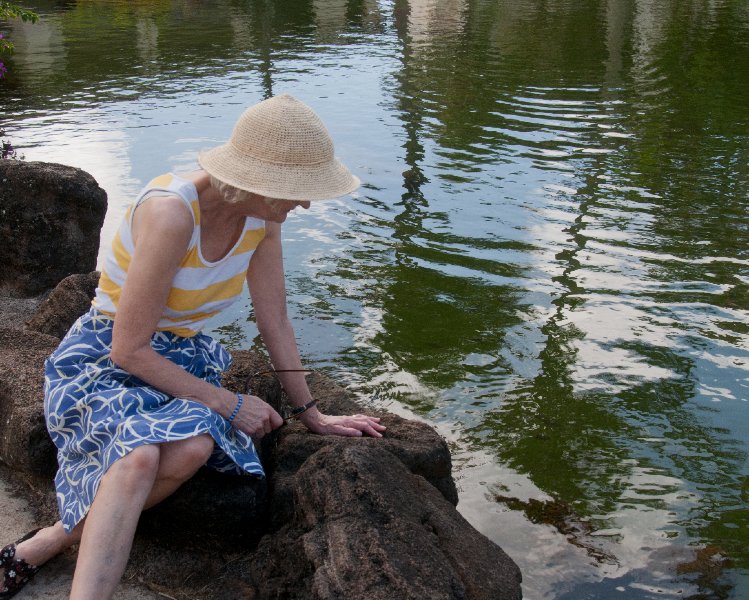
(240, 399)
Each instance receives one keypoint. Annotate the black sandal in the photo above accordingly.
(17, 571)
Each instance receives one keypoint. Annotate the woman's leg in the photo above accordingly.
(111, 521)
(178, 461)
(113, 517)
(47, 543)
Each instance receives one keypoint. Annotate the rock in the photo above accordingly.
(415, 444)
(237, 507)
(53, 214)
(15, 311)
(365, 527)
(218, 509)
(68, 301)
(24, 442)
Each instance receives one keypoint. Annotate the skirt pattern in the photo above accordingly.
(97, 412)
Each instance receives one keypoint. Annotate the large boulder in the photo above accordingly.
(50, 219)
(364, 526)
(416, 445)
(243, 501)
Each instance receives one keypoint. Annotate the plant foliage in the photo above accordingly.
(12, 11)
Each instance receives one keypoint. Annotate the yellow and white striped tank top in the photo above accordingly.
(200, 289)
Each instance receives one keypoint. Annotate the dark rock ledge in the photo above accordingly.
(335, 517)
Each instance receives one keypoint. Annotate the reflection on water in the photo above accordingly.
(548, 259)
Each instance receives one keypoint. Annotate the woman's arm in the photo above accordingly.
(266, 281)
(161, 234)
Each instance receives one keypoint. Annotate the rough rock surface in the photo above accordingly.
(24, 441)
(365, 527)
(68, 301)
(416, 445)
(15, 311)
(53, 215)
(241, 503)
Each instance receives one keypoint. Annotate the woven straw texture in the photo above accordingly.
(281, 149)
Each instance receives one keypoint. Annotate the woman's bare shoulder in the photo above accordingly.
(163, 215)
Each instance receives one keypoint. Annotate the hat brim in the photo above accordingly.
(323, 181)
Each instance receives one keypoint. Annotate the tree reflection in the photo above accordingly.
(577, 438)
(433, 317)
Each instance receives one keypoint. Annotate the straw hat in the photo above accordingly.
(280, 149)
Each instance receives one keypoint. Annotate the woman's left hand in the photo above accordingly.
(346, 425)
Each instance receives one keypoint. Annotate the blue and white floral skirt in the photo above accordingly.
(97, 413)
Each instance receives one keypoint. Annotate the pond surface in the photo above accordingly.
(548, 260)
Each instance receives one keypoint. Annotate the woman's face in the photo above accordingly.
(280, 209)
(270, 209)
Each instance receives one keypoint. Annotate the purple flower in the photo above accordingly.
(7, 150)
(3, 69)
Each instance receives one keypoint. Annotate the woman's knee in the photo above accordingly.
(182, 459)
(141, 463)
(198, 450)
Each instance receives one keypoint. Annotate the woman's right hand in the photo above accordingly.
(255, 417)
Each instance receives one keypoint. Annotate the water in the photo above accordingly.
(548, 260)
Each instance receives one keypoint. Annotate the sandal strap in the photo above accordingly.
(9, 551)
(17, 571)
(17, 574)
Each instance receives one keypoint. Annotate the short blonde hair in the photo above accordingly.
(230, 193)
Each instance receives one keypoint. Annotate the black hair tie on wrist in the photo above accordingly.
(294, 413)
(297, 412)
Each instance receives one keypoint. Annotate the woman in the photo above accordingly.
(133, 400)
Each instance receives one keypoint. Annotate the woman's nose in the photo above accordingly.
(305, 204)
